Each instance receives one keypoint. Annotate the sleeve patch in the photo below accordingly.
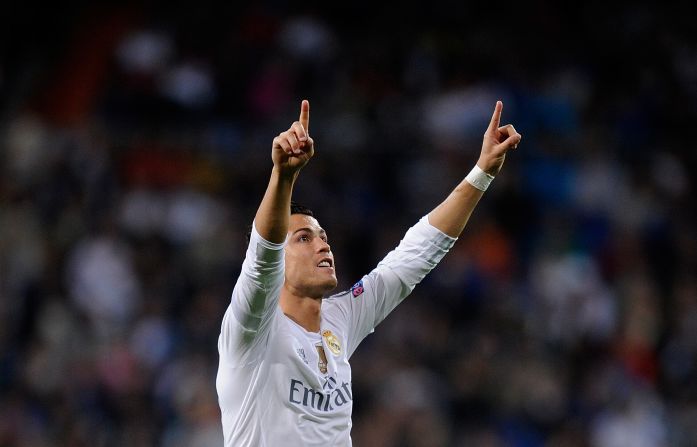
(357, 289)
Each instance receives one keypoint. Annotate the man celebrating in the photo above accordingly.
(284, 378)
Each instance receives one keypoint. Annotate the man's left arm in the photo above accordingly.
(452, 214)
(425, 244)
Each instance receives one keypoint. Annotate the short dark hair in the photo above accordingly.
(295, 208)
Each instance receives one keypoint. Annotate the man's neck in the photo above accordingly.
(304, 310)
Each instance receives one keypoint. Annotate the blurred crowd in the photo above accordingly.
(135, 146)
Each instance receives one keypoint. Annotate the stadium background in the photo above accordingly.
(135, 142)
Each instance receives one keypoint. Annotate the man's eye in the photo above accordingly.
(304, 238)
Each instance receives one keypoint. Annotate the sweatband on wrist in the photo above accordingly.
(479, 179)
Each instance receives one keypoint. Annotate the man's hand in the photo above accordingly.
(293, 148)
(497, 141)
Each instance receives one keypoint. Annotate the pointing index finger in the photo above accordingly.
(496, 117)
(305, 115)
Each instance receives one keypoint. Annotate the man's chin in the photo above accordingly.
(331, 285)
(328, 286)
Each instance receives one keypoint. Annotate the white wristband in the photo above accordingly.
(479, 179)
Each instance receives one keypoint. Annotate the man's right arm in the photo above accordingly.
(256, 293)
(291, 151)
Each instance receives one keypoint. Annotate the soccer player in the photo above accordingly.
(284, 377)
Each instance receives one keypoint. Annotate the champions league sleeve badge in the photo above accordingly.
(357, 289)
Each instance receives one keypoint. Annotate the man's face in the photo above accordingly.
(309, 260)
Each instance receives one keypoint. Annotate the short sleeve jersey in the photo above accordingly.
(279, 384)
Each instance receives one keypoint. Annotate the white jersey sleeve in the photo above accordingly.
(254, 299)
(372, 298)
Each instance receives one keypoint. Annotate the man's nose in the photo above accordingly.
(324, 246)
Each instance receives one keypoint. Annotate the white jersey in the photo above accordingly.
(276, 387)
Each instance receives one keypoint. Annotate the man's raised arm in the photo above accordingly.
(256, 292)
(291, 151)
(452, 214)
(427, 242)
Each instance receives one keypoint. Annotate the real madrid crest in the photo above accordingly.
(332, 342)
